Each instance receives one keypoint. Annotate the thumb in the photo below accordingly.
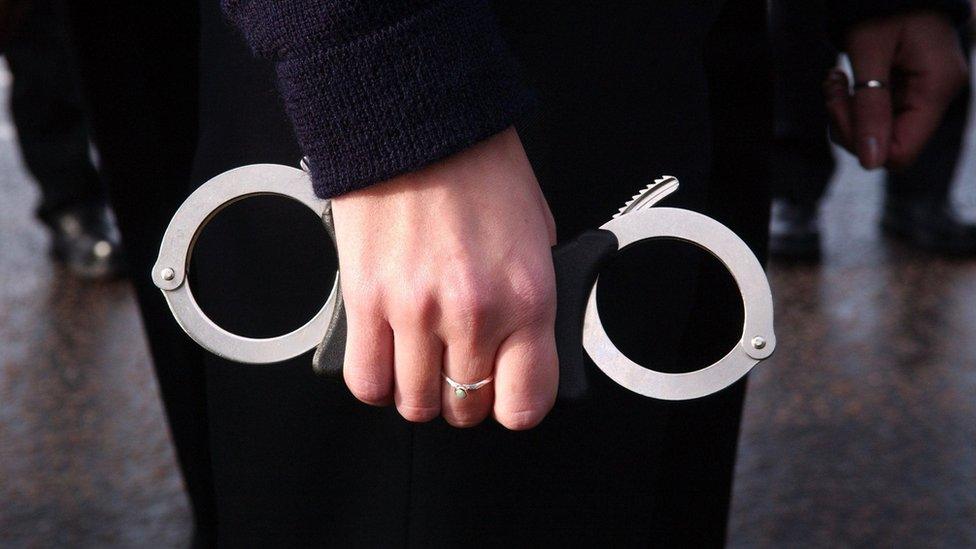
(838, 103)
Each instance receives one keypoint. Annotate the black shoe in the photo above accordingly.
(931, 225)
(794, 232)
(85, 239)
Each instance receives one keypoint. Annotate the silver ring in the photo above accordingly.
(870, 84)
(461, 389)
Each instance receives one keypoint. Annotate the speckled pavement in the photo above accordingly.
(861, 431)
(863, 428)
(85, 457)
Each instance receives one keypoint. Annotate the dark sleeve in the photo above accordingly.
(377, 88)
(843, 14)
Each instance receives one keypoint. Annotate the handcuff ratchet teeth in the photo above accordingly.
(636, 221)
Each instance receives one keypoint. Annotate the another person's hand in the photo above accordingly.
(449, 269)
(918, 59)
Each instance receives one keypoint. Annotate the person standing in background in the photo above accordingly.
(49, 117)
(917, 206)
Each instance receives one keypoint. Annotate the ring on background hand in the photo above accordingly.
(461, 389)
(870, 84)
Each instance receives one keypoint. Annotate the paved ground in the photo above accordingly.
(85, 458)
(859, 432)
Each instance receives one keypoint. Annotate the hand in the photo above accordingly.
(919, 57)
(449, 268)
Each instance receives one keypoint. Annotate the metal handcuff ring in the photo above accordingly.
(637, 221)
(170, 270)
(757, 341)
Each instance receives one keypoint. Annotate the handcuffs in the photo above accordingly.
(577, 267)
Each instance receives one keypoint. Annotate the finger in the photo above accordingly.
(912, 129)
(920, 114)
(468, 361)
(417, 373)
(872, 126)
(526, 378)
(872, 55)
(871, 59)
(368, 364)
(838, 102)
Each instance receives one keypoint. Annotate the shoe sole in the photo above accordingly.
(923, 242)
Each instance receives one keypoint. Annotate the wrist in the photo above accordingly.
(491, 162)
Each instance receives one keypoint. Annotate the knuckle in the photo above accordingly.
(523, 415)
(362, 297)
(413, 304)
(367, 388)
(418, 413)
(425, 305)
(536, 298)
(470, 303)
(521, 420)
(464, 420)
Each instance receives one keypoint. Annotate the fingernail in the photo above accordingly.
(870, 152)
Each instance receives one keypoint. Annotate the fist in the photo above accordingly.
(918, 58)
(448, 271)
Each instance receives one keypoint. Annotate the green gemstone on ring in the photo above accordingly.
(460, 393)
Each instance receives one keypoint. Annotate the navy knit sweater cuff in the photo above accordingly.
(401, 97)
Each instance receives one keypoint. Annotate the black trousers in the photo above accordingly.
(276, 455)
(802, 162)
(47, 110)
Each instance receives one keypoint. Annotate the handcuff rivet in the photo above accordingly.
(758, 342)
(167, 274)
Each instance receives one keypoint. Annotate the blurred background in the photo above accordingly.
(858, 432)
